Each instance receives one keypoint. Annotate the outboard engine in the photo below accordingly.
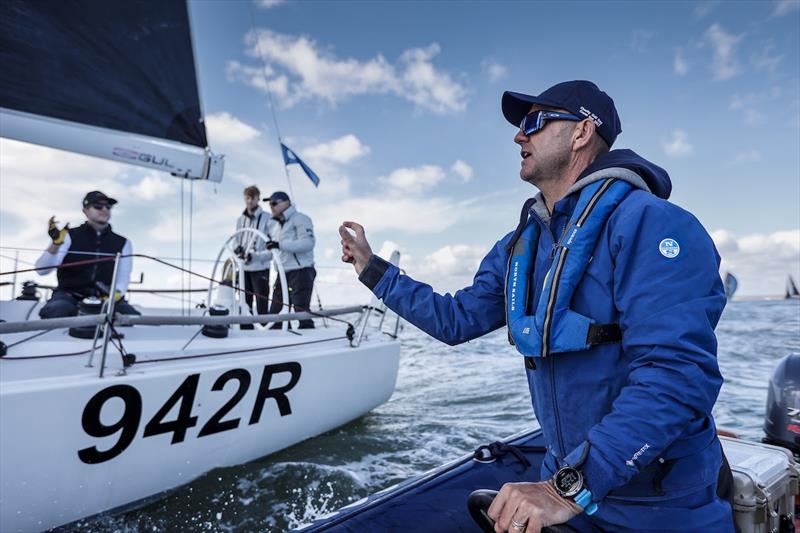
(782, 421)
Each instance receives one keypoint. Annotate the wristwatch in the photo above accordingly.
(568, 482)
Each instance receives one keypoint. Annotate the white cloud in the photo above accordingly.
(749, 156)
(678, 145)
(701, 9)
(640, 40)
(341, 150)
(414, 180)
(679, 65)
(391, 213)
(65, 177)
(224, 128)
(152, 187)
(451, 260)
(494, 70)
(428, 87)
(725, 64)
(782, 7)
(268, 4)
(749, 104)
(766, 59)
(761, 262)
(463, 170)
(300, 69)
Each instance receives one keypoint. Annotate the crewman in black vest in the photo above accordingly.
(91, 240)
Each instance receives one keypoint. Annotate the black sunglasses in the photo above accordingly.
(102, 206)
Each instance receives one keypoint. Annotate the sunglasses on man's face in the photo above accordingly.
(536, 120)
(273, 203)
(100, 207)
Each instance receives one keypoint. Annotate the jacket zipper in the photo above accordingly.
(551, 304)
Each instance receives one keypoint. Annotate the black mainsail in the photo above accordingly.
(110, 79)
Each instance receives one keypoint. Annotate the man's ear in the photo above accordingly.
(582, 134)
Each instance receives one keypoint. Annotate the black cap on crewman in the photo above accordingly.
(278, 196)
(580, 97)
(96, 197)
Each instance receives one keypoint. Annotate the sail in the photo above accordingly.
(731, 284)
(110, 79)
(791, 289)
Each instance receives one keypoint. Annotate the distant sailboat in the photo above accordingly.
(791, 289)
(731, 284)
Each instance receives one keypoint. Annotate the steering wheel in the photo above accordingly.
(478, 503)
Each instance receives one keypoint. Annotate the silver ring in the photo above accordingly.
(517, 525)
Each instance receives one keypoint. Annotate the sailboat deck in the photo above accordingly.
(57, 355)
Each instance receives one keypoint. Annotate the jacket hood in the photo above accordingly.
(655, 177)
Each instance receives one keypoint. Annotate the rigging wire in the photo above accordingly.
(191, 220)
(269, 95)
(183, 250)
(184, 271)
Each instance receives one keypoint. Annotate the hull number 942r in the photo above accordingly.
(128, 424)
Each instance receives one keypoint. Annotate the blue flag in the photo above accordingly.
(289, 157)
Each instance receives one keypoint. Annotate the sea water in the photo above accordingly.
(448, 401)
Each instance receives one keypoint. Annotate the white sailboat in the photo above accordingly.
(89, 425)
(731, 284)
(791, 289)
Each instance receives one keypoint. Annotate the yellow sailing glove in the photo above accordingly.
(117, 296)
(58, 235)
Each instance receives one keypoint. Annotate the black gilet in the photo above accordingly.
(81, 279)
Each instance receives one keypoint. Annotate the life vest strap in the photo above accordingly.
(603, 334)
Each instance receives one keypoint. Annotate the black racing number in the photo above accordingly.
(127, 425)
(214, 425)
(185, 395)
(278, 393)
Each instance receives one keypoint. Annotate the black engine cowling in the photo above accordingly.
(782, 420)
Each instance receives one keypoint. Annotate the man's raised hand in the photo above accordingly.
(355, 248)
(57, 235)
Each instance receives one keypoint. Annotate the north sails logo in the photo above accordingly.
(588, 114)
(638, 454)
(514, 286)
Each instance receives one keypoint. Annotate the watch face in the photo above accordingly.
(568, 482)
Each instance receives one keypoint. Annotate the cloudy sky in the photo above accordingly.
(396, 106)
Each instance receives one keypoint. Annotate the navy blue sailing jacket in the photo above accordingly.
(642, 405)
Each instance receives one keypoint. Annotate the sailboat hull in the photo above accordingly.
(75, 445)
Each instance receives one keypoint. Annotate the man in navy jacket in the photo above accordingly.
(611, 294)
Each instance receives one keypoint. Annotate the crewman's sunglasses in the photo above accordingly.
(102, 206)
(536, 120)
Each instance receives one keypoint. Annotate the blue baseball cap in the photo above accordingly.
(580, 97)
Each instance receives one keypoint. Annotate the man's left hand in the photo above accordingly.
(271, 245)
(535, 505)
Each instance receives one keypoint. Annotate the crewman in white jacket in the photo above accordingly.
(293, 236)
(252, 250)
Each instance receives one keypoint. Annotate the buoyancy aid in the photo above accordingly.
(554, 327)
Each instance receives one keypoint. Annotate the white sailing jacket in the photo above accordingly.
(296, 239)
(252, 244)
